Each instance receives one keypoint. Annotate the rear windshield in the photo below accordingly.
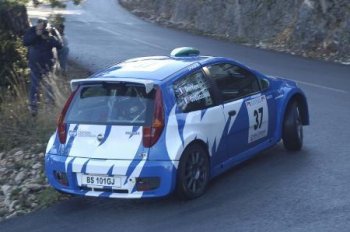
(120, 104)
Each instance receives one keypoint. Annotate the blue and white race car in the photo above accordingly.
(151, 126)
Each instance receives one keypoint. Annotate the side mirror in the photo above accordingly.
(264, 83)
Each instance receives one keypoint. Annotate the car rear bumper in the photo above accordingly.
(130, 172)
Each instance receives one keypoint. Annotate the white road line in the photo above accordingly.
(322, 87)
(159, 47)
(136, 40)
(149, 44)
(109, 31)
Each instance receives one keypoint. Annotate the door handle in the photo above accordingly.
(232, 113)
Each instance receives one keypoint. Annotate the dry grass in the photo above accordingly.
(18, 128)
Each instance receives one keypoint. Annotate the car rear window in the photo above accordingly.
(119, 104)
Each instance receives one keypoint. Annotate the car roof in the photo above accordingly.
(156, 68)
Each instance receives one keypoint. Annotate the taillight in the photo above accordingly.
(61, 126)
(151, 134)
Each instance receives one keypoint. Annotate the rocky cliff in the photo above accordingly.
(313, 28)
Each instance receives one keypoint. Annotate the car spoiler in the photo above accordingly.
(149, 85)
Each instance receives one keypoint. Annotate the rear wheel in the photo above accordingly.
(292, 128)
(193, 172)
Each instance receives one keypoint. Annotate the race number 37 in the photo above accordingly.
(258, 118)
(258, 114)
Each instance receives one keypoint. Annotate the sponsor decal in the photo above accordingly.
(132, 133)
(258, 118)
(99, 137)
(193, 66)
(72, 133)
(81, 133)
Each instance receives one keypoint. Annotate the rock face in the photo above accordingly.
(315, 28)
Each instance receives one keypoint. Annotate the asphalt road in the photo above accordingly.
(276, 191)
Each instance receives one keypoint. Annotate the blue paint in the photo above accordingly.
(171, 65)
(83, 170)
(227, 127)
(134, 163)
(70, 166)
(231, 149)
(106, 134)
(213, 148)
(181, 120)
(106, 194)
(134, 130)
(69, 144)
(202, 113)
(110, 171)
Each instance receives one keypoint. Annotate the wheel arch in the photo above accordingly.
(200, 143)
(301, 100)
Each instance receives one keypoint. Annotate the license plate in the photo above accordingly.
(102, 181)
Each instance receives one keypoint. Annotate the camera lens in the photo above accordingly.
(45, 32)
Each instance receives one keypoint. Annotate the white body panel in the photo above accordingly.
(121, 142)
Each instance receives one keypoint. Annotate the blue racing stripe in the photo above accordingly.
(106, 134)
(109, 173)
(226, 129)
(83, 169)
(70, 166)
(181, 120)
(69, 144)
(213, 148)
(221, 143)
(203, 113)
(135, 162)
(134, 130)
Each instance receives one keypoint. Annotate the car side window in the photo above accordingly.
(233, 81)
(192, 92)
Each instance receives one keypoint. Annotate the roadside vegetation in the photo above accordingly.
(23, 138)
(18, 127)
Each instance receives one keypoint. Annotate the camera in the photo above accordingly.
(46, 32)
(53, 31)
(50, 31)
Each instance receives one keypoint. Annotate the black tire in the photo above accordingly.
(193, 172)
(292, 128)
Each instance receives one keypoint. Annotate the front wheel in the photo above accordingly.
(193, 172)
(292, 128)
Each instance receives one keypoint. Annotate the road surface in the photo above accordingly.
(276, 191)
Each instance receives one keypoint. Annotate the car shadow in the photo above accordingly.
(257, 174)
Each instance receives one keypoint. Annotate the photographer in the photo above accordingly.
(40, 42)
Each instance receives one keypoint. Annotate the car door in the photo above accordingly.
(245, 107)
(197, 115)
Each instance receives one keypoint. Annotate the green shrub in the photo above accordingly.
(13, 55)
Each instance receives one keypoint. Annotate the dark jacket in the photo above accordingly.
(40, 50)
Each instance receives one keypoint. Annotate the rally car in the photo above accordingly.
(151, 126)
